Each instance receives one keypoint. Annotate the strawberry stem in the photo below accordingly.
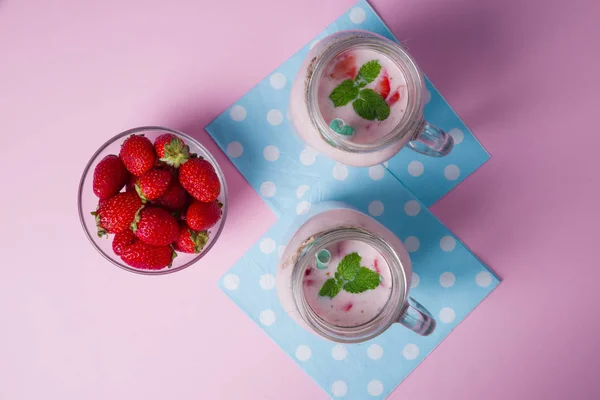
(176, 153)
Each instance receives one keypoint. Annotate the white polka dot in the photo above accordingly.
(376, 172)
(376, 208)
(314, 43)
(340, 172)
(267, 245)
(410, 351)
(375, 388)
(280, 251)
(447, 315)
(274, 117)
(271, 153)
(457, 135)
(235, 149)
(412, 208)
(301, 190)
(267, 317)
(339, 352)
(237, 113)
(451, 172)
(302, 207)
(415, 280)
(416, 168)
(357, 15)
(308, 156)
(412, 244)
(231, 281)
(268, 189)
(447, 279)
(447, 243)
(427, 96)
(277, 80)
(267, 281)
(339, 388)
(375, 352)
(483, 279)
(303, 352)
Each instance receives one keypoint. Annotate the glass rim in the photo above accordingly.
(206, 154)
(390, 312)
(411, 120)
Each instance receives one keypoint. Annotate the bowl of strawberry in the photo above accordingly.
(152, 200)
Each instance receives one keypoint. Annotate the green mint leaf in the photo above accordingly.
(330, 288)
(363, 109)
(371, 106)
(344, 93)
(365, 279)
(338, 277)
(349, 266)
(368, 73)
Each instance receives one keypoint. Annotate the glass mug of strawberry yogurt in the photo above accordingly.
(345, 277)
(358, 98)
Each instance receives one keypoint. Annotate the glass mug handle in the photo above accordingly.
(431, 141)
(416, 318)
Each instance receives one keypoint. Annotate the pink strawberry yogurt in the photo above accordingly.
(336, 128)
(390, 84)
(333, 227)
(348, 309)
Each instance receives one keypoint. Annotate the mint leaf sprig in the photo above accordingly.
(351, 277)
(369, 105)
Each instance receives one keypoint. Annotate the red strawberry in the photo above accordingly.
(201, 216)
(122, 240)
(347, 307)
(109, 176)
(155, 226)
(171, 150)
(130, 186)
(190, 241)
(344, 67)
(199, 178)
(175, 198)
(383, 85)
(117, 213)
(394, 97)
(137, 153)
(153, 184)
(143, 256)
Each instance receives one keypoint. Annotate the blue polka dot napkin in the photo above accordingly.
(293, 179)
(448, 280)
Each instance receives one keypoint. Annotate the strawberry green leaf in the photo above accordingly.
(140, 193)
(199, 239)
(173, 255)
(136, 219)
(176, 153)
(101, 231)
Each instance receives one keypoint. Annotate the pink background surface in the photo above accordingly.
(523, 76)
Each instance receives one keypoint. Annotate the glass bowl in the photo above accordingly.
(88, 202)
